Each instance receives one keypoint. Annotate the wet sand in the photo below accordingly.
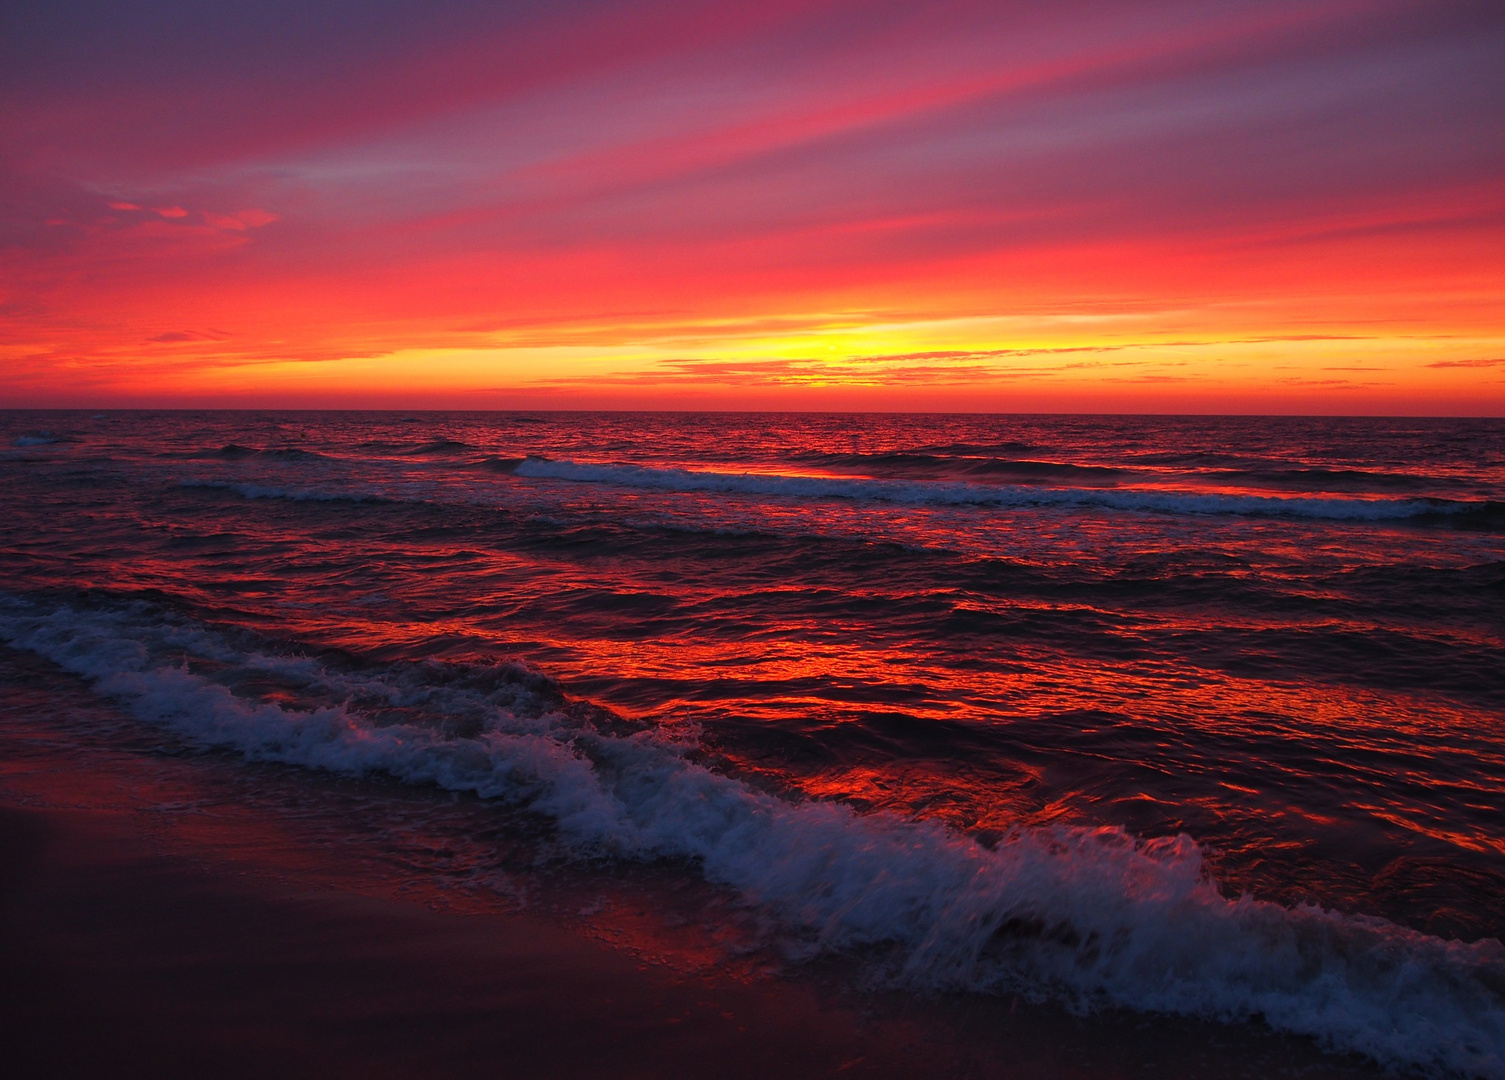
(121, 962)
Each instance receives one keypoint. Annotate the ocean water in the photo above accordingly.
(1194, 716)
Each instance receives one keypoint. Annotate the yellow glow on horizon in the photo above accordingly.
(947, 362)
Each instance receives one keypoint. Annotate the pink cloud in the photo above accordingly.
(241, 220)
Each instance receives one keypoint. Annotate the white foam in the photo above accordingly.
(1088, 916)
(958, 493)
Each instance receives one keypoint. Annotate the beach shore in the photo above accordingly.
(147, 929)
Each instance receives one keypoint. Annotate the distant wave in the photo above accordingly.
(964, 493)
(1008, 449)
(911, 464)
(1088, 916)
(297, 494)
(443, 446)
(292, 453)
(43, 438)
(1315, 479)
(1206, 459)
(439, 447)
(236, 452)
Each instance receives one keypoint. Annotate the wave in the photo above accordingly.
(1025, 468)
(234, 452)
(443, 446)
(292, 453)
(1316, 479)
(297, 494)
(964, 449)
(1089, 916)
(43, 438)
(963, 493)
(921, 464)
(1205, 459)
(434, 446)
(500, 464)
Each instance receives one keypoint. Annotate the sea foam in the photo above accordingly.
(1088, 916)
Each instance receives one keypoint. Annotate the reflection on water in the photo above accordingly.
(1280, 637)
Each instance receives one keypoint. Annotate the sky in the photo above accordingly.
(1150, 206)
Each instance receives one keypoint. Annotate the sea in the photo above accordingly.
(1196, 717)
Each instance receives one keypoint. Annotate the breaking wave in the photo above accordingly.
(1087, 916)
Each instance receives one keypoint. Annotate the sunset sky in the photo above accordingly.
(1260, 206)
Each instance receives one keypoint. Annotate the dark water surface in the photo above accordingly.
(1192, 715)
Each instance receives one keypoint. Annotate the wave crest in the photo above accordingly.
(942, 492)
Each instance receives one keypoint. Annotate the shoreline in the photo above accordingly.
(122, 961)
(153, 923)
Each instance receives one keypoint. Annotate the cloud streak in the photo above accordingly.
(1493, 361)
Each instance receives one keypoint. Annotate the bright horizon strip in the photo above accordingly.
(1232, 207)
